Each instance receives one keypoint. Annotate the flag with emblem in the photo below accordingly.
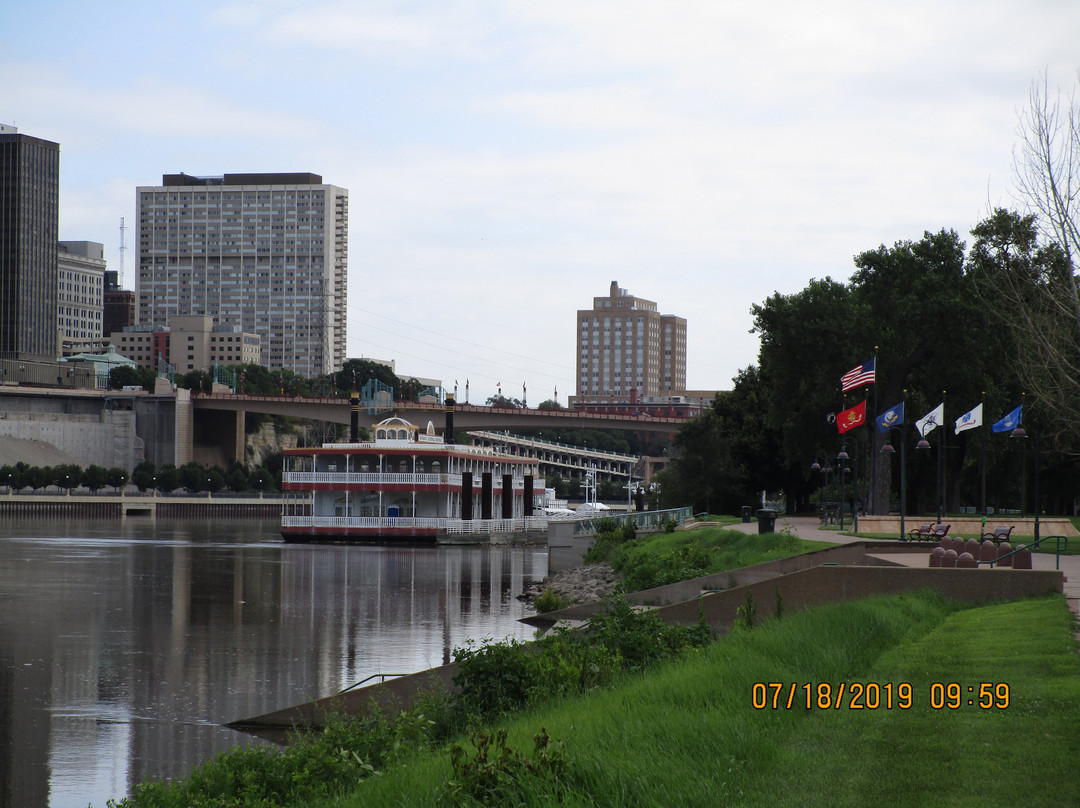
(849, 419)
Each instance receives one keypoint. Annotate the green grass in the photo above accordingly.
(666, 558)
(688, 735)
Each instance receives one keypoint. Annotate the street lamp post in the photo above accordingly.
(842, 459)
(816, 466)
(1020, 432)
(888, 449)
(925, 444)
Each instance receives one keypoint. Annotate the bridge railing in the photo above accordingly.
(640, 519)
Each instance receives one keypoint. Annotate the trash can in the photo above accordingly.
(766, 520)
(746, 510)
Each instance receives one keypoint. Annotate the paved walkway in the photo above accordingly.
(809, 527)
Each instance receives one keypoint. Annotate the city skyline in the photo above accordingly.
(503, 163)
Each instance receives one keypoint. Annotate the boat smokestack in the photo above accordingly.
(354, 417)
(448, 433)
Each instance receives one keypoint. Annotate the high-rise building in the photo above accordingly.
(627, 350)
(80, 295)
(267, 253)
(29, 227)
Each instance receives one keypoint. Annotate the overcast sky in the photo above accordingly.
(507, 160)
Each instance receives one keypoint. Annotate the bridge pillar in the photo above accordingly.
(218, 437)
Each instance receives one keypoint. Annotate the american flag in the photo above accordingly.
(858, 376)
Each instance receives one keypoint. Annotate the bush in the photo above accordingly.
(550, 601)
(497, 775)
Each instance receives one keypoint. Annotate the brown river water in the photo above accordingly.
(126, 646)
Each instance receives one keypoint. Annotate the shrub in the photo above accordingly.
(550, 601)
(497, 775)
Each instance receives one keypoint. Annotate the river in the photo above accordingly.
(125, 646)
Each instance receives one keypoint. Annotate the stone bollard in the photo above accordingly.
(987, 551)
(949, 558)
(935, 557)
(1022, 559)
(1004, 549)
(970, 546)
(945, 543)
(966, 560)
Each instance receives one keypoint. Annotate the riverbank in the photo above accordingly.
(585, 584)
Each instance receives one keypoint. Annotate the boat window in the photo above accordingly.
(403, 466)
(435, 467)
(380, 434)
(420, 466)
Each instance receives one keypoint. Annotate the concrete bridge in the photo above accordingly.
(218, 418)
(117, 428)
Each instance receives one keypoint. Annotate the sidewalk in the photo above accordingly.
(808, 527)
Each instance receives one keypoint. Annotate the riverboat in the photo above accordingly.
(408, 484)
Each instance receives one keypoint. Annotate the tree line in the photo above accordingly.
(256, 380)
(997, 323)
(190, 477)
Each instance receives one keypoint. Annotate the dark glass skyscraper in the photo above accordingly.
(29, 229)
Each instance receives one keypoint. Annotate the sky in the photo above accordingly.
(506, 161)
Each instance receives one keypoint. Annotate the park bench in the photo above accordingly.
(922, 533)
(1000, 533)
(940, 532)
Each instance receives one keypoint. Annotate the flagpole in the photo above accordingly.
(903, 470)
(941, 465)
(873, 449)
(983, 428)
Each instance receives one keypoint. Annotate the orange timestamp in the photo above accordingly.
(875, 695)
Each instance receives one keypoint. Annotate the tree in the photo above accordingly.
(143, 475)
(123, 376)
(168, 478)
(236, 478)
(95, 477)
(355, 373)
(193, 477)
(549, 404)
(502, 401)
(116, 477)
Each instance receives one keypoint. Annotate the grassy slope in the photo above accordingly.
(689, 735)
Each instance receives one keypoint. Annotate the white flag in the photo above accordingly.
(969, 420)
(929, 422)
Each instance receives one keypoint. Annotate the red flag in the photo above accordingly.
(849, 419)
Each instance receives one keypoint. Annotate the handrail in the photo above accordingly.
(1029, 547)
(380, 676)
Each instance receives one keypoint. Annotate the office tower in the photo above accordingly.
(29, 226)
(80, 294)
(627, 350)
(267, 253)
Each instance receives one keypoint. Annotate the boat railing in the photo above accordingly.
(417, 522)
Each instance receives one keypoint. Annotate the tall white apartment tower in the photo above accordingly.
(627, 349)
(265, 252)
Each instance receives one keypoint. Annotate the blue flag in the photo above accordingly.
(894, 416)
(1009, 422)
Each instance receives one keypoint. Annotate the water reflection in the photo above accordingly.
(125, 647)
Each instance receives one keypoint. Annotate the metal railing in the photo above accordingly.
(455, 526)
(640, 519)
(1057, 550)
